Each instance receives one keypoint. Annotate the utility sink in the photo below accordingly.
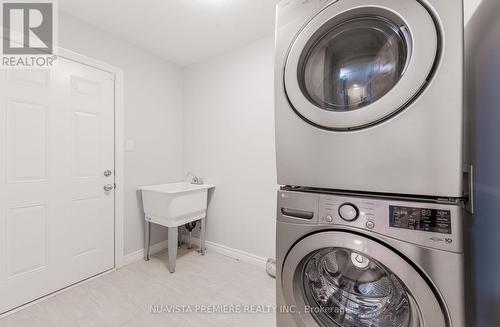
(173, 205)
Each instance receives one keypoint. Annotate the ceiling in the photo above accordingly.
(181, 31)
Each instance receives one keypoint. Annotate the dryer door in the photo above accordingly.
(338, 278)
(357, 63)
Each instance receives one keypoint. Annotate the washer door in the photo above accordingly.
(342, 279)
(356, 63)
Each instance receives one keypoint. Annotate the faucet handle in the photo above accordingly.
(193, 179)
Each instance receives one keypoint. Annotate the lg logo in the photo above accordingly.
(28, 28)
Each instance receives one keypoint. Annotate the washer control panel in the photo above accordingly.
(421, 219)
(430, 224)
(334, 209)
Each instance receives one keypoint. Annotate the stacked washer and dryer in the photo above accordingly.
(369, 137)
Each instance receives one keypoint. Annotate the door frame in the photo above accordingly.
(119, 138)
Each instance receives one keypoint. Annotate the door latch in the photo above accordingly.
(108, 187)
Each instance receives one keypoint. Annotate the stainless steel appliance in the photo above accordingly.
(369, 95)
(359, 261)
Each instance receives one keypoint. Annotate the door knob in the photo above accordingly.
(108, 173)
(108, 187)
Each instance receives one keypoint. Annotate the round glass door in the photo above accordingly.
(342, 279)
(354, 66)
(338, 74)
(353, 290)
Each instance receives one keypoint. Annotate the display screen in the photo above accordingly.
(427, 220)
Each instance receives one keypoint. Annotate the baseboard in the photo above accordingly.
(139, 254)
(211, 246)
(230, 252)
(237, 254)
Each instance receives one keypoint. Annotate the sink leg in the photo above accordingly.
(202, 236)
(147, 239)
(190, 246)
(172, 248)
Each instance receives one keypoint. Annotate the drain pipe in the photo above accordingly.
(190, 227)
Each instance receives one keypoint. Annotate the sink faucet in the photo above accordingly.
(193, 179)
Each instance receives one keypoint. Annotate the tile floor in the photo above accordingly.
(125, 297)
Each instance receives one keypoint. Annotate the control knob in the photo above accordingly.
(370, 224)
(348, 212)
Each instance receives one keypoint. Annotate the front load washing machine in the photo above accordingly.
(369, 95)
(352, 261)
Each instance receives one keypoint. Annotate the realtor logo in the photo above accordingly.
(28, 34)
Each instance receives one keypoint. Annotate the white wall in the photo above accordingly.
(153, 115)
(229, 141)
(226, 104)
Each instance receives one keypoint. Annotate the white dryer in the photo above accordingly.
(369, 95)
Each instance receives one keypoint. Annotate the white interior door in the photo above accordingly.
(56, 141)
